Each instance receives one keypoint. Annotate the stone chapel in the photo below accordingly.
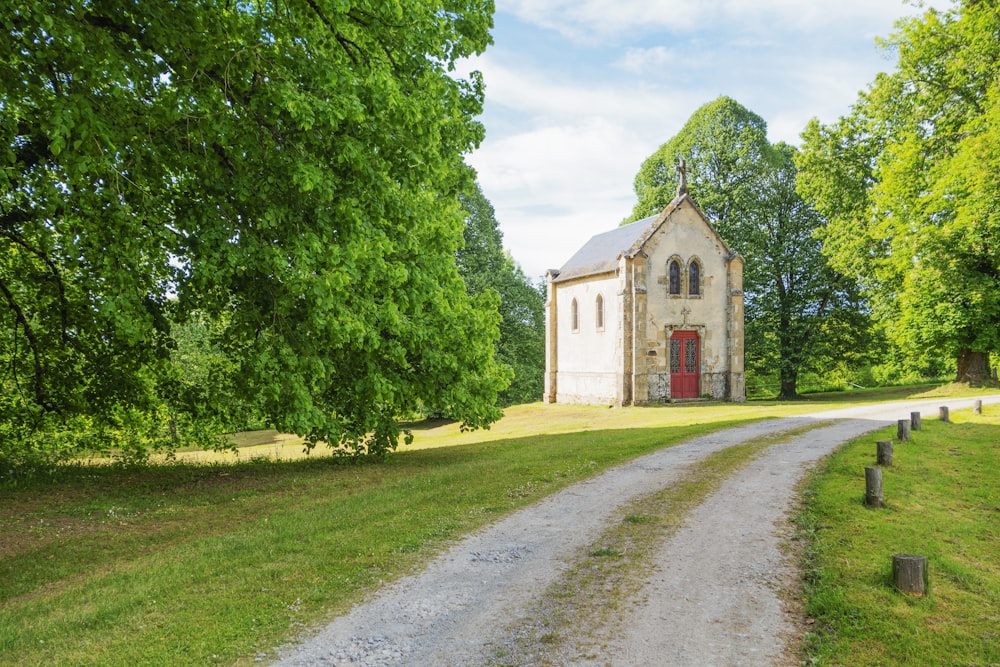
(646, 313)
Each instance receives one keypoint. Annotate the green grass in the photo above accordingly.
(581, 611)
(943, 502)
(539, 419)
(202, 564)
(191, 563)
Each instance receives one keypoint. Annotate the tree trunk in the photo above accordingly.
(903, 430)
(873, 487)
(789, 347)
(883, 452)
(973, 367)
(909, 573)
(789, 382)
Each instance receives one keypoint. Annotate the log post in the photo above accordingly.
(883, 456)
(915, 421)
(943, 413)
(873, 487)
(903, 430)
(977, 407)
(909, 573)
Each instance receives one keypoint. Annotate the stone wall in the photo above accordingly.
(627, 360)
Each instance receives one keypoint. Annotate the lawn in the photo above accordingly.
(209, 560)
(943, 501)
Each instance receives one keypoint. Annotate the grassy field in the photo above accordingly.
(213, 561)
(943, 502)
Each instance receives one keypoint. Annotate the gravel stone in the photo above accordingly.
(715, 591)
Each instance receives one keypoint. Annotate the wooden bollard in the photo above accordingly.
(873, 487)
(977, 407)
(943, 413)
(915, 421)
(883, 452)
(909, 573)
(903, 430)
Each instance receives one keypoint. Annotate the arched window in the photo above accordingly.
(674, 273)
(694, 278)
(600, 313)
(574, 316)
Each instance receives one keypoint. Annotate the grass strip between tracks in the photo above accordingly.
(585, 607)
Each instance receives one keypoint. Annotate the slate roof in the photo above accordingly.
(600, 254)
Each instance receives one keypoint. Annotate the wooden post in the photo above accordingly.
(883, 454)
(915, 421)
(977, 407)
(943, 413)
(873, 487)
(903, 430)
(909, 573)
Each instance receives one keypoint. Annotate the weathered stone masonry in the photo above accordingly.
(655, 330)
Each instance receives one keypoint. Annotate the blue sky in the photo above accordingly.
(580, 92)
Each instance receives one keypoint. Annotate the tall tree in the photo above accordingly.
(800, 314)
(288, 170)
(485, 266)
(910, 180)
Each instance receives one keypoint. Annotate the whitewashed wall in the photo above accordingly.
(588, 363)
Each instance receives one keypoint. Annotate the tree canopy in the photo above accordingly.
(288, 171)
(485, 266)
(910, 182)
(800, 313)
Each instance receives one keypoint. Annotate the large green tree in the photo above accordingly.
(910, 181)
(287, 170)
(485, 266)
(800, 314)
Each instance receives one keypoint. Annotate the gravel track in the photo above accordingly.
(715, 590)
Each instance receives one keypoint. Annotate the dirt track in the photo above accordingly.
(714, 594)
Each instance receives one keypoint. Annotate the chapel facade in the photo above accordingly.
(646, 313)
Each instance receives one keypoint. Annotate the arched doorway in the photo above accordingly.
(684, 364)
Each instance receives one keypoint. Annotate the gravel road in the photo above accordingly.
(714, 594)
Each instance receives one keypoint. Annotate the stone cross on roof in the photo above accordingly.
(682, 185)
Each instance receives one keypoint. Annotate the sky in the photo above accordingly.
(580, 92)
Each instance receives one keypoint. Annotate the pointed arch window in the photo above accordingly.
(574, 316)
(599, 317)
(674, 276)
(694, 278)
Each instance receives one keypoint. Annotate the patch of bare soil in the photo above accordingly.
(715, 591)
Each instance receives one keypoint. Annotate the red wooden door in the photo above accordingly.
(684, 364)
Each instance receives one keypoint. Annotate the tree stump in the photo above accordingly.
(915, 421)
(903, 430)
(873, 487)
(909, 573)
(883, 450)
(943, 413)
(977, 407)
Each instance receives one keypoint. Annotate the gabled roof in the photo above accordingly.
(601, 253)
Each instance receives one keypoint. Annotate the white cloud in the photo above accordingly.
(556, 186)
(545, 98)
(638, 60)
(563, 170)
(568, 128)
(589, 19)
